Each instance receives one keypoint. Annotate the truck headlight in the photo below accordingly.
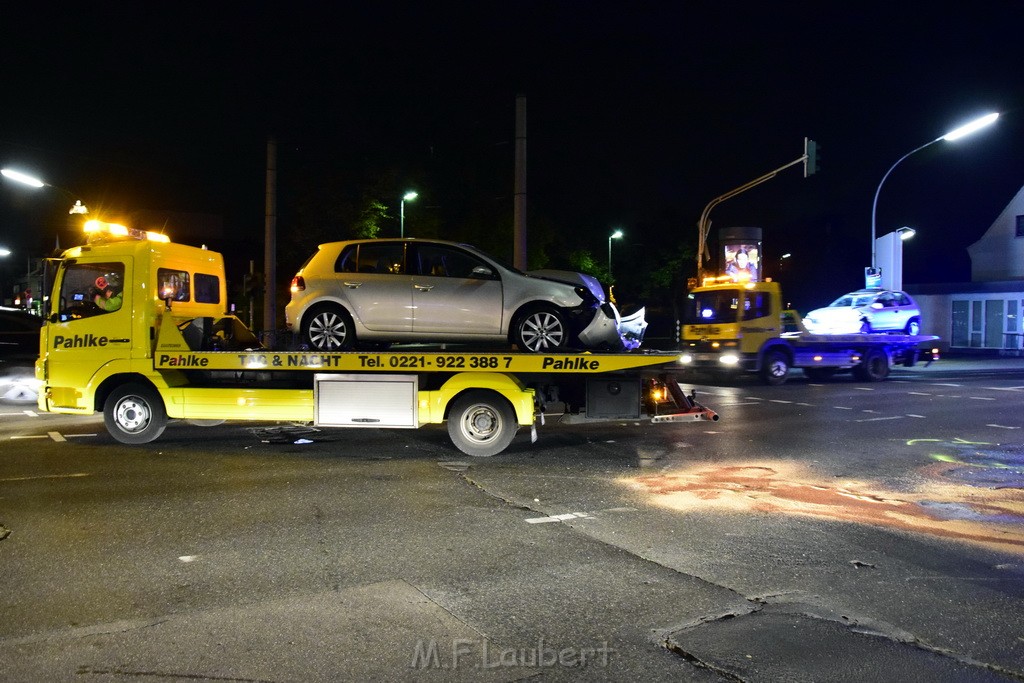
(686, 359)
(729, 359)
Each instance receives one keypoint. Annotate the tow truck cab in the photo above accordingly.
(86, 345)
(729, 324)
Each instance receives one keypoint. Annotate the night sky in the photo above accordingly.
(639, 115)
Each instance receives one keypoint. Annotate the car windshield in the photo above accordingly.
(720, 306)
(852, 301)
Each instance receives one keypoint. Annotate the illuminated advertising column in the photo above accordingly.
(741, 253)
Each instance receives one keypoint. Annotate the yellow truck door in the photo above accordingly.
(89, 327)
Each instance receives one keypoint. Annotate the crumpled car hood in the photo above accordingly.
(572, 278)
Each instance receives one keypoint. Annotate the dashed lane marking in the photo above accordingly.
(981, 398)
(864, 388)
(913, 415)
(842, 407)
(56, 436)
(1002, 426)
(918, 393)
(880, 419)
(777, 400)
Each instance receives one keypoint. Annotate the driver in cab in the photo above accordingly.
(107, 298)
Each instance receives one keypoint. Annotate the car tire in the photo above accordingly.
(540, 330)
(874, 367)
(913, 327)
(775, 367)
(134, 413)
(481, 423)
(328, 327)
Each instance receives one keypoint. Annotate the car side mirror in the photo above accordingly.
(482, 272)
(877, 306)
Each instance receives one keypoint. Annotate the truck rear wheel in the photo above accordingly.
(874, 367)
(775, 367)
(481, 423)
(134, 414)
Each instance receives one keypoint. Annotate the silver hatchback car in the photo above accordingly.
(416, 290)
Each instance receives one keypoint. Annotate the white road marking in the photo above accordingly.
(1002, 427)
(940, 384)
(558, 518)
(879, 419)
(49, 476)
(776, 400)
(33, 436)
(842, 408)
(1004, 388)
(981, 398)
(864, 388)
(31, 413)
(918, 393)
(912, 415)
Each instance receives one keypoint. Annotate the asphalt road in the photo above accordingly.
(817, 532)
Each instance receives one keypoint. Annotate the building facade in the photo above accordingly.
(984, 315)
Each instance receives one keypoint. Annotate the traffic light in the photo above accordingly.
(810, 157)
(252, 284)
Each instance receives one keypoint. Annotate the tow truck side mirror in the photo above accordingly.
(167, 303)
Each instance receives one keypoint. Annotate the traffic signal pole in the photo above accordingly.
(704, 224)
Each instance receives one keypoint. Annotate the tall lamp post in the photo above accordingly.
(409, 196)
(31, 181)
(614, 236)
(954, 134)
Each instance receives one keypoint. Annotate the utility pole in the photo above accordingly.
(519, 256)
(270, 246)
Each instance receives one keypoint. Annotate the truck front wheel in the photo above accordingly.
(775, 367)
(134, 414)
(481, 423)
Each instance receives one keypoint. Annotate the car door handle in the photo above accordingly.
(353, 285)
(424, 288)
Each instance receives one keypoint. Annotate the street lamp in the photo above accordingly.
(954, 134)
(32, 181)
(409, 196)
(614, 236)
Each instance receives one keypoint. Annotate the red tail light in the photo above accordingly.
(298, 284)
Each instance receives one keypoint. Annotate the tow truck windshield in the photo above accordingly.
(719, 306)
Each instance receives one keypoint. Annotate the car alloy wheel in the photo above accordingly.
(541, 330)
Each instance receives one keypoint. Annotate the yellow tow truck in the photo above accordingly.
(742, 326)
(136, 328)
